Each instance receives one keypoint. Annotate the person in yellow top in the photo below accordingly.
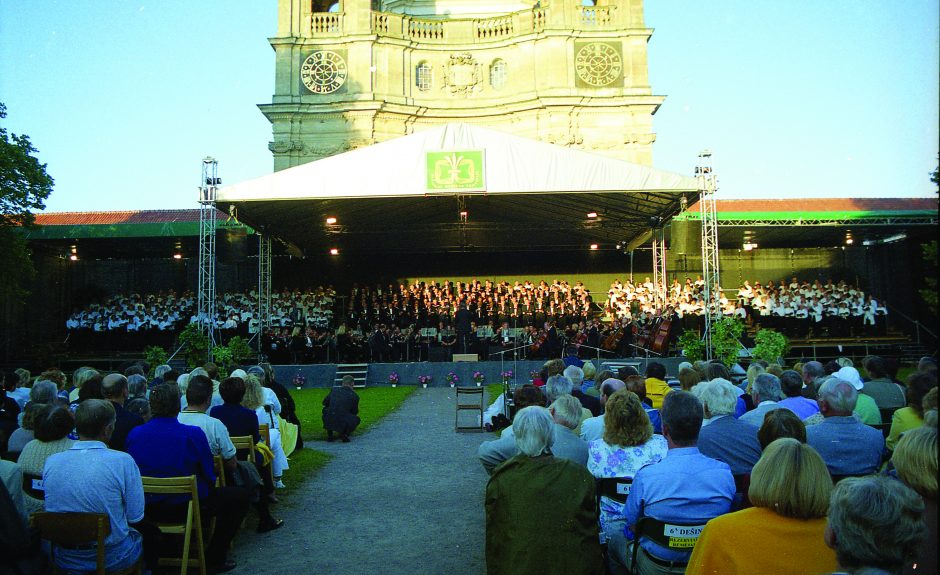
(656, 386)
(912, 416)
(790, 488)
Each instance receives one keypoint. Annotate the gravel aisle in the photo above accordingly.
(406, 497)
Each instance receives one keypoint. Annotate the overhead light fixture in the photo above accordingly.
(594, 246)
(748, 246)
(74, 253)
(848, 238)
(177, 256)
(334, 251)
(887, 240)
(330, 220)
(592, 215)
(73, 257)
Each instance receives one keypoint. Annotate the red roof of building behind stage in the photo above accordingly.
(125, 217)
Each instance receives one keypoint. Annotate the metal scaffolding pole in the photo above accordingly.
(264, 286)
(205, 297)
(659, 266)
(708, 184)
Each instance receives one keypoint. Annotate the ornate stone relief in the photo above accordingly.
(462, 74)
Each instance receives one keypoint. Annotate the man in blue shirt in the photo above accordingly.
(90, 478)
(848, 446)
(163, 447)
(684, 488)
(723, 437)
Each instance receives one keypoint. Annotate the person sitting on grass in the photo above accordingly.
(340, 410)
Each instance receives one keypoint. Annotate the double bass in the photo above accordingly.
(612, 341)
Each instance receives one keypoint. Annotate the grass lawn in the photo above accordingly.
(374, 404)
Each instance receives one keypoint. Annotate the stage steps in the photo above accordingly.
(357, 370)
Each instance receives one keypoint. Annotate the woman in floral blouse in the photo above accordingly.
(627, 445)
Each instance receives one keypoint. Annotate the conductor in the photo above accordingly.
(462, 323)
(340, 410)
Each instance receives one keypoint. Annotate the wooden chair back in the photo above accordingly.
(265, 430)
(72, 529)
(244, 447)
(616, 488)
(219, 465)
(187, 528)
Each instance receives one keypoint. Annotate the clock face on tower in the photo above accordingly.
(323, 72)
(597, 64)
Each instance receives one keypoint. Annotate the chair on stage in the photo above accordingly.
(78, 531)
(191, 525)
(469, 399)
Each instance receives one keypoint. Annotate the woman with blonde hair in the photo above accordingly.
(627, 445)
(254, 400)
(790, 488)
(915, 461)
(689, 378)
(745, 400)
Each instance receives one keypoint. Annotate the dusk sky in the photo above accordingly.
(794, 99)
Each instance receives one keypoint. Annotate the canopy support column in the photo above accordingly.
(659, 266)
(708, 185)
(205, 297)
(264, 287)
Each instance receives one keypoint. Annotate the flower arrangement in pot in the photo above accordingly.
(506, 375)
(479, 378)
(424, 380)
(452, 379)
(299, 380)
(393, 378)
(533, 375)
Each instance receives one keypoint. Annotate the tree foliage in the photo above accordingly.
(24, 183)
(24, 187)
(770, 345)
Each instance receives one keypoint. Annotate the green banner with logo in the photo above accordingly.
(456, 171)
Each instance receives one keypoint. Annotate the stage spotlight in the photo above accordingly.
(592, 215)
(748, 246)
(177, 256)
(594, 246)
(849, 240)
(330, 220)
(334, 251)
(73, 257)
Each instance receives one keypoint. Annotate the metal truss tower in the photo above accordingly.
(659, 266)
(205, 297)
(264, 284)
(708, 185)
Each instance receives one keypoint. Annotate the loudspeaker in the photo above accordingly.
(685, 237)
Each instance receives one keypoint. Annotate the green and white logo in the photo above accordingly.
(456, 170)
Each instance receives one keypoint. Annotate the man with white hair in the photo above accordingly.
(566, 413)
(766, 393)
(576, 375)
(722, 436)
(534, 490)
(559, 385)
(848, 446)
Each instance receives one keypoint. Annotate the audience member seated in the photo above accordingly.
(637, 385)
(114, 389)
(588, 386)
(848, 446)
(53, 423)
(912, 416)
(685, 488)
(576, 375)
(791, 384)
(11, 485)
(593, 428)
(25, 433)
(540, 514)
(137, 386)
(198, 397)
(9, 415)
(558, 385)
(789, 491)
(20, 391)
(873, 538)
(341, 410)
(915, 461)
(254, 400)
(865, 409)
(163, 447)
(733, 441)
(886, 393)
(780, 423)
(90, 478)
(139, 406)
(656, 387)
(766, 393)
(627, 445)
(689, 378)
(565, 412)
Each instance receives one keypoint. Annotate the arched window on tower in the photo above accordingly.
(588, 3)
(423, 76)
(498, 74)
(334, 7)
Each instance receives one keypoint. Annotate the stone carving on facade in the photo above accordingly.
(285, 146)
(462, 74)
(323, 150)
(564, 138)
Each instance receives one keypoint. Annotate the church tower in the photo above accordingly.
(358, 72)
